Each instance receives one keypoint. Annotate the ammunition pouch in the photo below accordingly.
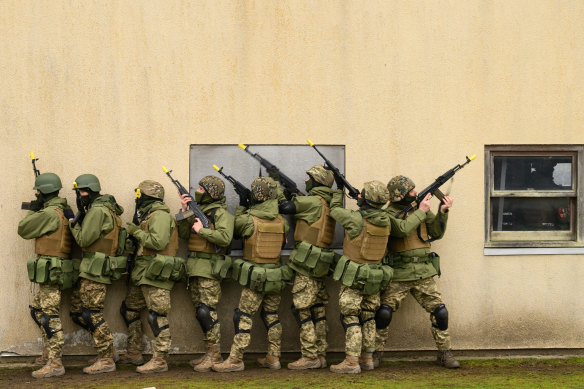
(53, 270)
(435, 259)
(366, 278)
(99, 264)
(266, 278)
(165, 268)
(122, 236)
(313, 260)
(209, 265)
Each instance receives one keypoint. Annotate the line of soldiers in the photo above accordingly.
(377, 248)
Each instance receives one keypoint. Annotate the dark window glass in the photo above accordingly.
(531, 214)
(533, 173)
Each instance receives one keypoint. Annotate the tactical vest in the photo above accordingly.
(201, 245)
(56, 243)
(172, 246)
(265, 244)
(107, 244)
(369, 246)
(321, 232)
(410, 242)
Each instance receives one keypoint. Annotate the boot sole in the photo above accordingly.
(108, 370)
(305, 367)
(57, 373)
(161, 370)
(229, 370)
(368, 366)
(354, 371)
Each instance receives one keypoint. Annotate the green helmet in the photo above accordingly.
(263, 188)
(375, 193)
(321, 175)
(152, 189)
(214, 186)
(47, 183)
(88, 181)
(399, 187)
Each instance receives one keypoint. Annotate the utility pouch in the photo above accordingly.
(340, 268)
(122, 236)
(373, 281)
(31, 269)
(324, 264)
(69, 274)
(117, 266)
(245, 273)
(387, 275)
(435, 259)
(349, 278)
(42, 271)
(257, 279)
(221, 266)
(94, 264)
(165, 268)
(274, 283)
(236, 269)
(287, 273)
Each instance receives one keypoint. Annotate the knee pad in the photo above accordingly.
(45, 321)
(76, 317)
(349, 321)
(440, 316)
(299, 320)
(365, 316)
(33, 312)
(264, 315)
(314, 314)
(236, 318)
(86, 316)
(383, 316)
(203, 315)
(153, 321)
(124, 312)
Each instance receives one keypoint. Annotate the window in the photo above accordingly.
(534, 196)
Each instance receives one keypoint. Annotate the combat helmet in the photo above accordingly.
(152, 188)
(399, 187)
(47, 183)
(321, 175)
(263, 188)
(375, 193)
(214, 186)
(88, 181)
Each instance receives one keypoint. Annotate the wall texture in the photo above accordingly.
(119, 88)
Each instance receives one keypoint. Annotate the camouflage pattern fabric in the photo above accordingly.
(250, 303)
(375, 193)
(155, 299)
(321, 175)
(152, 188)
(358, 308)
(91, 295)
(310, 299)
(48, 300)
(426, 294)
(263, 188)
(207, 291)
(399, 187)
(214, 186)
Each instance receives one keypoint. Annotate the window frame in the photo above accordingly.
(536, 239)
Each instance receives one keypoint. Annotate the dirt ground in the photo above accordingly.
(528, 373)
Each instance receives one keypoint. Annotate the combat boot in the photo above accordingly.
(446, 359)
(322, 359)
(212, 357)
(116, 357)
(377, 357)
(366, 361)
(53, 368)
(102, 365)
(230, 364)
(305, 363)
(269, 362)
(154, 365)
(43, 359)
(131, 357)
(349, 366)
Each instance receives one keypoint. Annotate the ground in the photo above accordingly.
(515, 373)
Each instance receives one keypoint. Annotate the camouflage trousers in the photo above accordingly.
(310, 299)
(90, 296)
(157, 301)
(207, 291)
(45, 311)
(427, 295)
(358, 316)
(249, 303)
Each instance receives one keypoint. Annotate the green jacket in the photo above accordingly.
(309, 208)
(403, 227)
(352, 221)
(36, 224)
(243, 217)
(222, 235)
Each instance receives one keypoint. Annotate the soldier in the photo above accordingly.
(207, 264)
(260, 273)
(414, 265)
(362, 276)
(311, 259)
(51, 269)
(157, 240)
(98, 235)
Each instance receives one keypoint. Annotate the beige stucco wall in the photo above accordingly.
(119, 88)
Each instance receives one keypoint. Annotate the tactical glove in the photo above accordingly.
(244, 198)
(339, 182)
(274, 174)
(36, 205)
(131, 228)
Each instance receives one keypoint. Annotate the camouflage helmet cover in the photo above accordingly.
(152, 188)
(88, 181)
(263, 188)
(399, 187)
(47, 183)
(375, 193)
(214, 186)
(321, 175)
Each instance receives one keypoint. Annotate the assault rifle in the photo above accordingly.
(286, 181)
(26, 205)
(353, 193)
(194, 209)
(132, 243)
(81, 211)
(240, 189)
(434, 188)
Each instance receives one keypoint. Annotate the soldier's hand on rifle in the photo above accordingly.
(339, 182)
(185, 199)
(131, 228)
(130, 246)
(446, 204)
(244, 198)
(197, 226)
(425, 204)
(36, 205)
(274, 174)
